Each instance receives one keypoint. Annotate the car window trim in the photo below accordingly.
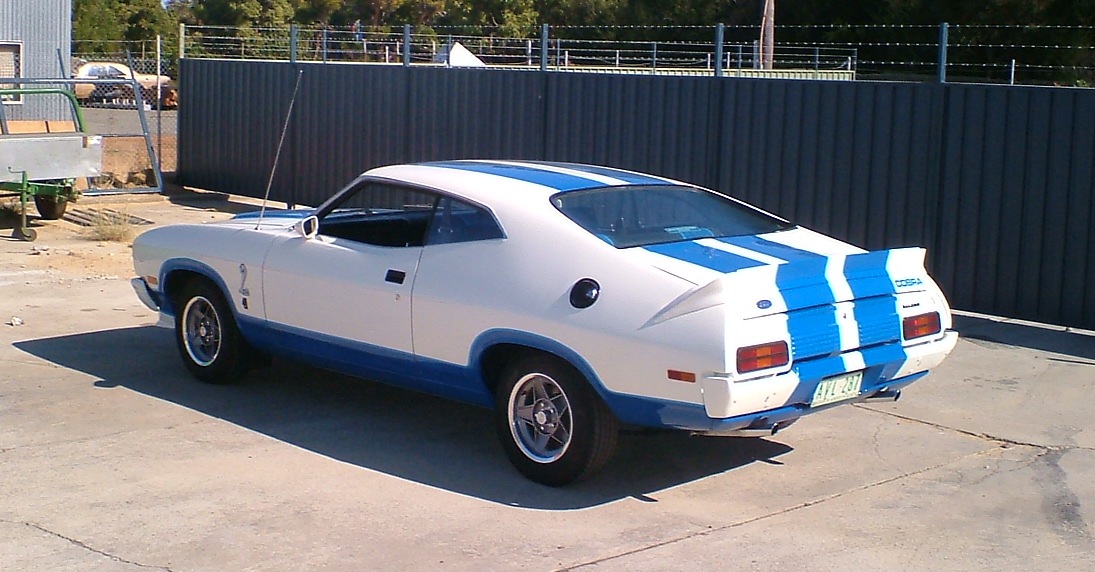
(327, 206)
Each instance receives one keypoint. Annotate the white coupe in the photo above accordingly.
(569, 298)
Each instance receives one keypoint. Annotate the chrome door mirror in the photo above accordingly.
(308, 227)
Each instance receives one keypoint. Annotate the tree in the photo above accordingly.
(96, 27)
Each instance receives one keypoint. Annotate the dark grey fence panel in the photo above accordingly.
(342, 124)
(1016, 203)
(656, 124)
(852, 160)
(996, 181)
(230, 118)
(473, 114)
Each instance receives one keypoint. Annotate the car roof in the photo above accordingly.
(501, 181)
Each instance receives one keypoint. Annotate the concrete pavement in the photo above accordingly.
(113, 458)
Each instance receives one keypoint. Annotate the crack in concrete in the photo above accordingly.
(1060, 504)
(75, 542)
(69, 442)
(790, 509)
(983, 436)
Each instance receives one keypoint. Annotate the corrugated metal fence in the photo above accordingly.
(996, 181)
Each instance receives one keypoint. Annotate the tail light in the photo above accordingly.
(920, 326)
(764, 356)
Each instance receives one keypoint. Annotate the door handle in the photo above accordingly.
(395, 276)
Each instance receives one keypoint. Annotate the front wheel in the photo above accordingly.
(207, 336)
(554, 428)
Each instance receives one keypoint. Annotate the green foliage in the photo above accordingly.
(97, 23)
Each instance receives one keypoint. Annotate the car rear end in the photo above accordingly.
(808, 321)
(809, 334)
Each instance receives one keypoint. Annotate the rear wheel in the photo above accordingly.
(554, 428)
(207, 336)
(50, 207)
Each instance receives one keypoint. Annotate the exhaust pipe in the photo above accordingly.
(885, 395)
(759, 428)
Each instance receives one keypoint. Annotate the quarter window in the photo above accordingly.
(456, 221)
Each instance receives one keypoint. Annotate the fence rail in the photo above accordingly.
(1058, 55)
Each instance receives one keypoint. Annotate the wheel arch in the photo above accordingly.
(494, 349)
(176, 273)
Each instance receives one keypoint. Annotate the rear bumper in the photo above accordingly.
(765, 405)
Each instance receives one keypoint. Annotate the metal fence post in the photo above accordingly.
(543, 47)
(293, 44)
(720, 30)
(943, 30)
(182, 41)
(654, 58)
(406, 45)
(324, 45)
(159, 101)
(817, 62)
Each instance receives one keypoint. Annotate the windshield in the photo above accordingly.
(643, 215)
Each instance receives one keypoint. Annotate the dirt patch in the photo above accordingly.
(68, 251)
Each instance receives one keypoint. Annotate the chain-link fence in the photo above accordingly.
(110, 103)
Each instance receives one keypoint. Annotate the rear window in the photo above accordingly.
(644, 215)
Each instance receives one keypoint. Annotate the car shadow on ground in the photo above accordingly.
(402, 433)
(1044, 338)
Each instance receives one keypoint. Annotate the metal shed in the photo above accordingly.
(35, 42)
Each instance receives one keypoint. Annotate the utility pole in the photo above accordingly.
(768, 34)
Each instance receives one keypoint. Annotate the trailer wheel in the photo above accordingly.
(25, 234)
(50, 208)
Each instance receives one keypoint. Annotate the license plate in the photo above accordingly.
(837, 389)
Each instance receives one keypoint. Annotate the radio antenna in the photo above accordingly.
(281, 143)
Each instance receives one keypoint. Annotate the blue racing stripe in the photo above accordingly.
(626, 176)
(867, 274)
(527, 173)
(875, 309)
(707, 257)
(763, 246)
(811, 316)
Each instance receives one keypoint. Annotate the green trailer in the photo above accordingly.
(44, 167)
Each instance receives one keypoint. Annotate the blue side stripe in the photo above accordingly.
(628, 177)
(526, 173)
(705, 256)
(764, 246)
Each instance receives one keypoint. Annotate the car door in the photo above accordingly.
(351, 284)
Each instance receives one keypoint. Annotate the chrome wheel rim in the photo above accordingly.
(201, 331)
(540, 418)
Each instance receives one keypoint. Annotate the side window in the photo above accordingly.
(381, 215)
(456, 221)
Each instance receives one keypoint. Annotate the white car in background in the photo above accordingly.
(568, 298)
(99, 92)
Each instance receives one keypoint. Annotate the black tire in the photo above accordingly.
(50, 208)
(567, 434)
(206, 334)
